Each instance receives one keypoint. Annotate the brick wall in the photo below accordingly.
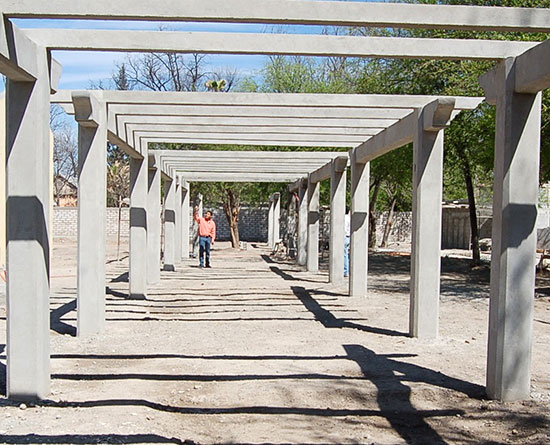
(65, 221)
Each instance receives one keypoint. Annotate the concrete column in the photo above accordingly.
(270, 222)
(302, 225)
(170, 225)
(359, 242)
(313, 226)
(138, 227)
(92, 203)
(426, 231)
(153, 224)
(338, 181)
(291, 226)
(516, 176)
(185, 223)
(276, 217)
(177, 223)
(28, 248)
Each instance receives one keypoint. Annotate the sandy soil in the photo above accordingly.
(255, 350)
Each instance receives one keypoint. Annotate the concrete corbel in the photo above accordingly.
(87, 108)
(488, 82)
(56, 69)
(295, 186)
(340, 163)
(437, 114)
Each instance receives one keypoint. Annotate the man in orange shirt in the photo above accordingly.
(207, 236)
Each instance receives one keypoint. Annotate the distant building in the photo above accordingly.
(65, 192)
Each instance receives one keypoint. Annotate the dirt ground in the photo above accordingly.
(257, 351)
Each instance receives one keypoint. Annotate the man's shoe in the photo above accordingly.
(209, 266)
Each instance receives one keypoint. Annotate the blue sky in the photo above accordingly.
(83, 67)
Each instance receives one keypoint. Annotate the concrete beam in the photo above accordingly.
(395, 136)
(325, 172)
(296, 12)
(295, 186)
(91, 115)
(18, 53)
(437, 115)
(275, 44)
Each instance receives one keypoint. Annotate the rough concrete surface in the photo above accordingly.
(255, 350)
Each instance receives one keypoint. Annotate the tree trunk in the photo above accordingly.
(476, 257)
(372, 216)
(231, 208)
(389, 223)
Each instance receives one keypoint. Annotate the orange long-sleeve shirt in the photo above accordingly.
(206, 227)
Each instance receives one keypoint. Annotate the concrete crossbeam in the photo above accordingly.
(249, 155)
(258, 138)
(251, 121)
(275, 44)
(248, 142)
(295, 12)
(207, 176)
(91, 115)
(516, 171)
(292, 100)
(264, 113)
(289, 129)
(28, 203)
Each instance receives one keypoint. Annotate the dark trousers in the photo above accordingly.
(204, 250)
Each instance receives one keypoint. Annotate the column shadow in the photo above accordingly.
(328, 320)
(394, 396)
(59, 326)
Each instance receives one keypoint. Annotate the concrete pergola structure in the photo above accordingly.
(515, 87)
